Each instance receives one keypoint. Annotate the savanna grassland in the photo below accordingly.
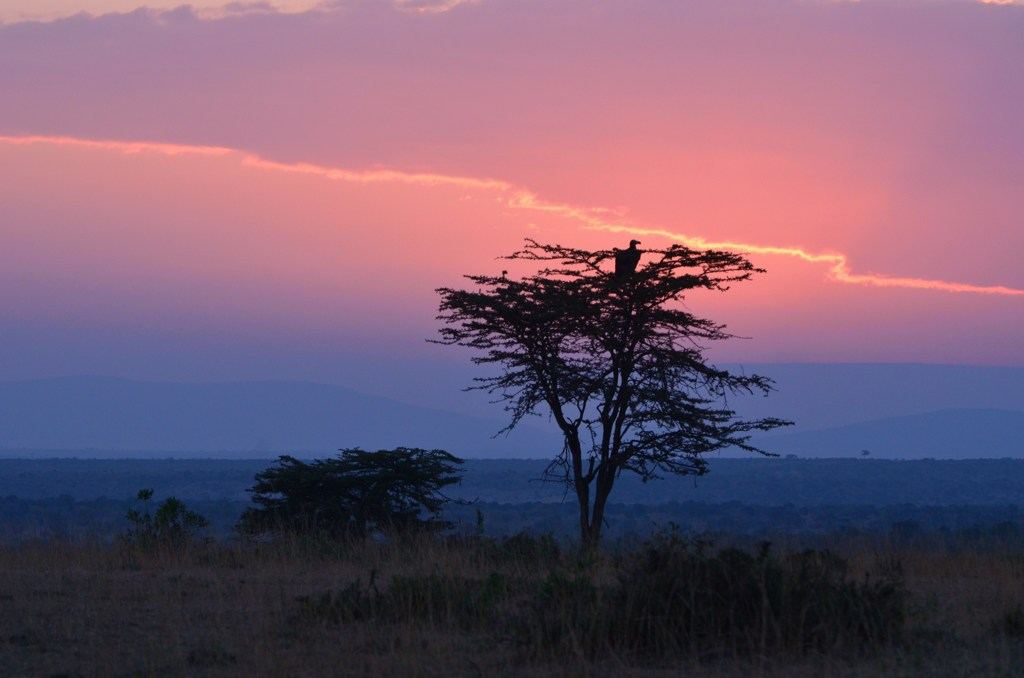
(523, 605)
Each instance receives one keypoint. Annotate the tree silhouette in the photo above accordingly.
(173, 524)
(354, 494)
(616, 360)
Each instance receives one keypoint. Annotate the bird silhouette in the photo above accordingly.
(627, 259)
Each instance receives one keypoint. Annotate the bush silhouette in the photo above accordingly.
(354, 494)
(671, 598)
(173, 524)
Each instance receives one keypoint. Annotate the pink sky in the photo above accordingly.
(247, 195)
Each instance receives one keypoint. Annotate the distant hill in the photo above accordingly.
(947, 434)
(818, 396)
(117, 417)
(893, 411)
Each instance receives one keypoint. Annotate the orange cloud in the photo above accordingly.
(430, 6)
(15, 11)
(127, 147)
(517, 198)
(839, 267)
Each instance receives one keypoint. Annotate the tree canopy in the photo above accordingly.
(616, 360)
(354, 494)
(173, 524)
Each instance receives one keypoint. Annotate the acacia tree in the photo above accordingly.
(355, 493)
(616, 359)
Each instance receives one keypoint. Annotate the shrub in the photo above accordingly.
(677, 597)
(671, 598)
(173, 523)
(355, 494)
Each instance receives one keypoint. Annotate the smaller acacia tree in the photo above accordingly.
(354, 494)
(173, 524)
(614, 357)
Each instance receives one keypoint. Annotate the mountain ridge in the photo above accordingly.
(265, 416)
(839, 409)
(982, 433)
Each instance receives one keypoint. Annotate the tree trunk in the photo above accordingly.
(602, 489)
(582, 487)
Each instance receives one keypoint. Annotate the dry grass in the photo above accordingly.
(81, 610)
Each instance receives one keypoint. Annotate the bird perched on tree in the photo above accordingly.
(626, 260)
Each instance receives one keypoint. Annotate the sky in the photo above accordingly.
(245, 191)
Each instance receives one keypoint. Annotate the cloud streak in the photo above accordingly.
(18, 11)
(517, 198)
(838, 264)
